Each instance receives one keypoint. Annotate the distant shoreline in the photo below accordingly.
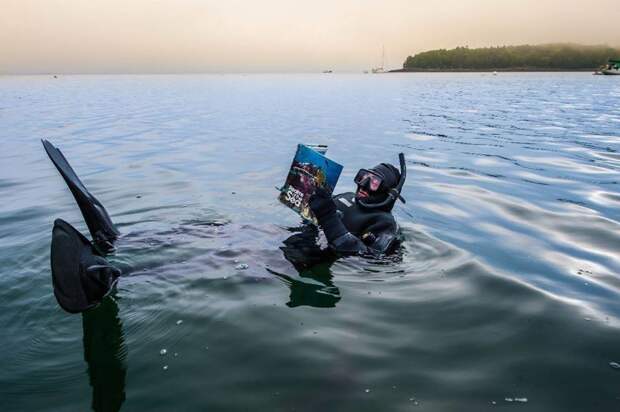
(513, 69)
(559, 57)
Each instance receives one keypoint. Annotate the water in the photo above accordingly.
(507, 286)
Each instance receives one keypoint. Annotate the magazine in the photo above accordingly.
(310, 169)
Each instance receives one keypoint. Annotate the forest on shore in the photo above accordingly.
(517, 58)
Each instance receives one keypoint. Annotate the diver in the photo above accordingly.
(362, 222)
(359, 223)
(81, 275)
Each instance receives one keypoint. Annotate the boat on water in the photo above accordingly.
(611, 68)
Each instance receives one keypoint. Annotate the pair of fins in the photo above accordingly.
(81, 275)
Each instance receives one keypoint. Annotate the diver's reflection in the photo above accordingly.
(313, 263)
(104, 352)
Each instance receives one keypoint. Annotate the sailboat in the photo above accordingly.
(381, 68)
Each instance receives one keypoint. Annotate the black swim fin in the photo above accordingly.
(99, 223)
(80, 275)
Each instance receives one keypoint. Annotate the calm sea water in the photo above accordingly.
(506, 293)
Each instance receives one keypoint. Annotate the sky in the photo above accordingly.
(187, 36)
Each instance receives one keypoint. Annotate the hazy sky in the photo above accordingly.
(153, 36)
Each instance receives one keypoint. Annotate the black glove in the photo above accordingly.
(322, 204)
(324, 208)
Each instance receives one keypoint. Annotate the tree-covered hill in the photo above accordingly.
(526, 57)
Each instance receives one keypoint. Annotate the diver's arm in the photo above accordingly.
(378, 240)
(339, 238)
(382, 240)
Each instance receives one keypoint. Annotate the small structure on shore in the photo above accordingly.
(611, 68)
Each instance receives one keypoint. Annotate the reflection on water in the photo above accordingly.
(105, 353)
(313, 264)
(322, 295)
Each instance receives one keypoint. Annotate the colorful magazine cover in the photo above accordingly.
(310, 169)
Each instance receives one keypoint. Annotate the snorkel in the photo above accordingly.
(393, 193)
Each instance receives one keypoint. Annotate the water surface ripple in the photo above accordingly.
(505, 293)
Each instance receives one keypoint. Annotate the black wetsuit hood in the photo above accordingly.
(390, 188)
(391, 179)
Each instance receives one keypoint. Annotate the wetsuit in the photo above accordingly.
(352, 229)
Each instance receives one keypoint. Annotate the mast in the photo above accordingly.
(380, 69)
(383, 56)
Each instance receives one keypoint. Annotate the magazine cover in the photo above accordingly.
(310, 169)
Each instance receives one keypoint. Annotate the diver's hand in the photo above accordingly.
(322, 204)
(324, 208)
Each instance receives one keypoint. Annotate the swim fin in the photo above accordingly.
(80, 275)
(97, 219)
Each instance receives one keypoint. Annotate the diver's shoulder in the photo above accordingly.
(346, 199)
(345, 195)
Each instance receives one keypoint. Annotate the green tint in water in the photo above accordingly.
(506, 287)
